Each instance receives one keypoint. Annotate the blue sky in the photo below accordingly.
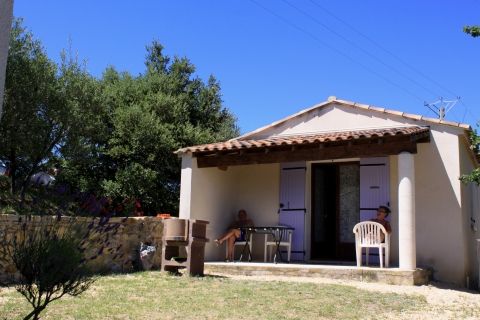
(274, 58)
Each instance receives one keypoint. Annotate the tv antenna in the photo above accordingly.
(441, 107)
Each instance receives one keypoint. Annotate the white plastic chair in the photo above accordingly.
(368, 234)
(270, 244)
(241, 244)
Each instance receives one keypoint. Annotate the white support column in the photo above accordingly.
(186, 186)
(406, 212)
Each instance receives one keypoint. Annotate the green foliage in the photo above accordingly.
(31, 106)
(114, 136)
(44, 109)
(145, 119)
(50, 263)
(474, 176)
(474, 142)
(474, 31)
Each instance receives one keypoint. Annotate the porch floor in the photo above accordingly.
(345, 272)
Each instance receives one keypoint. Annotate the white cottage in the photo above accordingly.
(324, 169)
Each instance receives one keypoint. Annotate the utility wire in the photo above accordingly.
(371, 55)
(416, 70)
(323, 43)
(383, 48)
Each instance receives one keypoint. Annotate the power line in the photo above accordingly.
(323, 43)
(419, 72)
(314, 37)
(383, 48)
(359, 47)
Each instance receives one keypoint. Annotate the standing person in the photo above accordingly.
(382, 213)
(234, 233)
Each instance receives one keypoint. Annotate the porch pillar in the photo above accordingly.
(406, 212)
(186, 186)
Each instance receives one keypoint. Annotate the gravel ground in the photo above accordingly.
(444, 302)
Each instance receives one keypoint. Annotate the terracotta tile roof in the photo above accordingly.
(317, 138)
(334, 100)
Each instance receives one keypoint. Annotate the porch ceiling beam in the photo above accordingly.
(310, 153)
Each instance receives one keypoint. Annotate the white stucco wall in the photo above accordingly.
(336, 117)
(257, 190)
(206, 195)
(217, 195)
(439, 219)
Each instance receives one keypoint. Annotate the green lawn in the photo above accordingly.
(151, 295)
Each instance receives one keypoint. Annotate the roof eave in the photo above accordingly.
(283, 120)
(359, 106)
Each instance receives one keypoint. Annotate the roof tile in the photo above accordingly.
(394, 112)
(357, 105)
(413, 116)
(376, 109)
(306, 139)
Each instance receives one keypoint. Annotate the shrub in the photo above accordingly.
(50, 262)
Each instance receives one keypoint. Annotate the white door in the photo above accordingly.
(292, 204)
(374, 186)
(374, 190)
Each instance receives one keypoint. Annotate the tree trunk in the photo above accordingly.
(13, 171)
(26, 181)
(24, 187)
(35, 314)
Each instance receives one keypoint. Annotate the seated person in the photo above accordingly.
(382, 213)
(234, 233)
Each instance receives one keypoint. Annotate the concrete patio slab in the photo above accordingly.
(366, 274)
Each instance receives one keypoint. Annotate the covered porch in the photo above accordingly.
(219, 179)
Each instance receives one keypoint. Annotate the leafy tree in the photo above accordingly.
(151, 116)
(114, 136)
(28, 130)
(45, 107)
(474, 31)
(81, 155)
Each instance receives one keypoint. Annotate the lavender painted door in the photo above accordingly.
(292, 204)
(374, 186)
(374, 189)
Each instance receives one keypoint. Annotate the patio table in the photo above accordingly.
(278, 233)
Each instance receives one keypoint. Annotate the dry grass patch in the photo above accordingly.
(151, 295)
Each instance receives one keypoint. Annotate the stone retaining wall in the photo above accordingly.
(109, 246)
